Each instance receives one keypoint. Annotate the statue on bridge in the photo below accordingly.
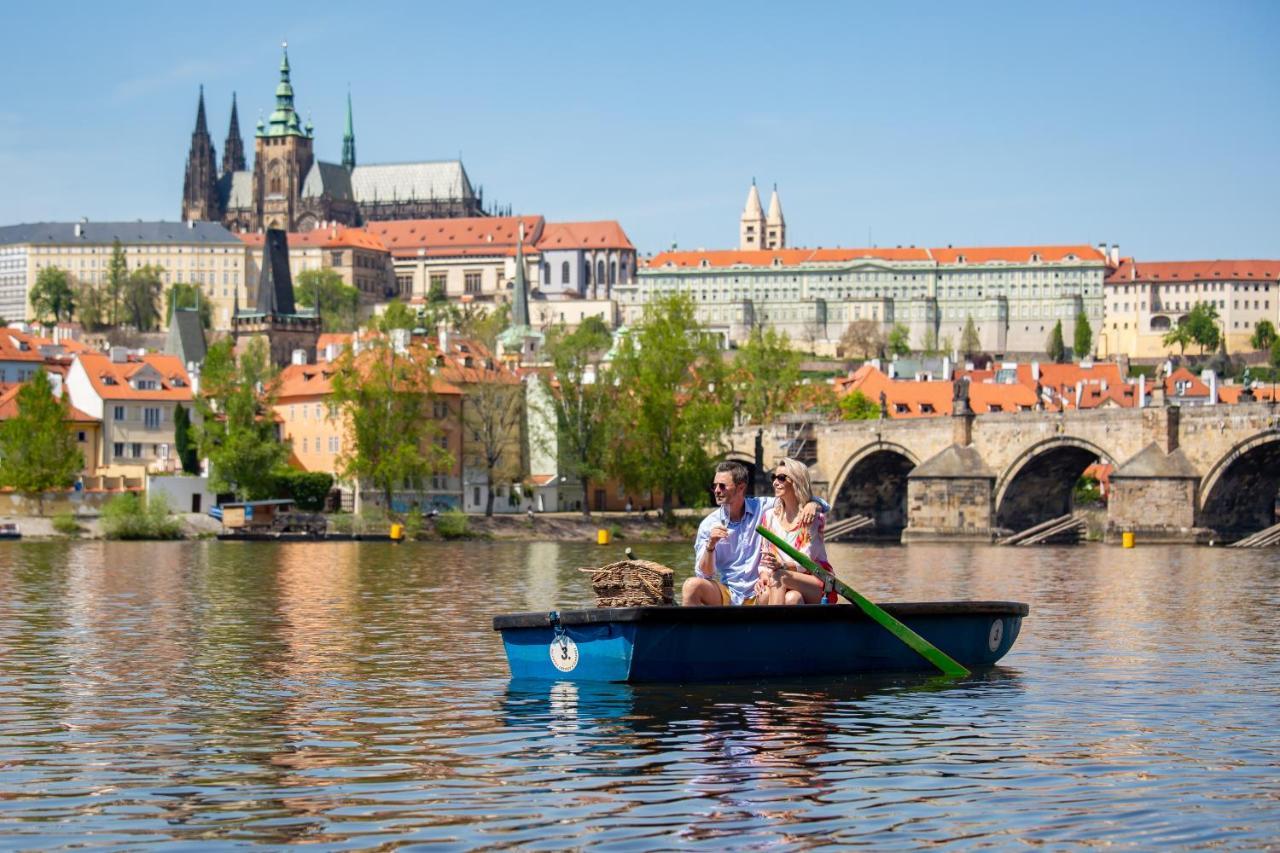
(884, 406)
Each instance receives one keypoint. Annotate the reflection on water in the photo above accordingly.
(353, 695)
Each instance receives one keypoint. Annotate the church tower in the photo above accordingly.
(349, 140)
(775, 226)
(282, 158)
(233, 150)
(751, 226)
(200, 187)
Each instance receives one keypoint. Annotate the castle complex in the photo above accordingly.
(289, 188)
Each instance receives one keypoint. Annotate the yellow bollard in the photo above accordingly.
(397, 532)
(1126, 539)
(602, 536)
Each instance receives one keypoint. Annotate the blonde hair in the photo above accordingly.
(798, 473)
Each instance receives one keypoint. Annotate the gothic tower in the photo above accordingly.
(349, 140)
(775, 226)
(751, 226)
(200, 187)
(282, 159)
(233, 150)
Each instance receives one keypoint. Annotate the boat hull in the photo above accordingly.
(643, 644)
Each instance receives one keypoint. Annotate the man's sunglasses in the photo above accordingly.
(722, 487)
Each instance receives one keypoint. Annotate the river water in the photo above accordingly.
(353, 695)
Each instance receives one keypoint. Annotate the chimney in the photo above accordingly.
(1142, 390)
(79, 230)
(1079, 392)
(118, 355)
(191, 225)
(1035, 371)
(1114, 256)
(1210, 378)
(298, 356)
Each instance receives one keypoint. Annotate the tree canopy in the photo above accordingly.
(52, 299)
(765, 375)
(141, 307)
(970, 343)
(1083, 343)
(1264, 335)
(899, 343)
(37, 451)
(858, 407)
(863, 339)
(237, 433)
(188, 296)
(1202, 326)
(1056, 348)
(583, 400)
(337, 302)
(672, 404)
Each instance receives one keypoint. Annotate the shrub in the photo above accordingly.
(452, 524)
(412, 525)
(308, 488)
(65, 523)
(129, 516)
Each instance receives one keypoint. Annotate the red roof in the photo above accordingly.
(908, 398)
(476, 235)
(606, 234)
(111, 380)
(949, 255)
(1015, 254)
(18, 346)
(1195, 387)
(1131, 271)
(9, 407)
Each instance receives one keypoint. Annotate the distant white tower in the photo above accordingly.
(751, 227)
(775, 225)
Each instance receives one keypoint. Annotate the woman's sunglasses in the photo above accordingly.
(780, 478)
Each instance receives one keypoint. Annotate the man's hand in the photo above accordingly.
(718, 534)
(809, 512)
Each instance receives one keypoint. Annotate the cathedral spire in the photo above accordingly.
(201, 126)
(233, 150)
(520, 296)
(200, 200)
(284, 119)
(349, 139)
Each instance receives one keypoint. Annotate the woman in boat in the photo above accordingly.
(783, 581)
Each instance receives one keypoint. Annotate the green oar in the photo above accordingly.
(926, 650)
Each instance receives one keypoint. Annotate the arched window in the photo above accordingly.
(586, 272)
(600, 279)
(613, 272)
(564, 273)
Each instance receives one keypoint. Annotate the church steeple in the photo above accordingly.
(200, 186)
(751, 225)
(520, 289)
(775, 225)
(284, 119)
(349, 139)
(233, 150)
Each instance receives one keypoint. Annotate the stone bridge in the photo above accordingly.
(1181, 474)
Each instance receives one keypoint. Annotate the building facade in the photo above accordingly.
(201, 253)
(1014, 295)
(1144, 300)
(288, 187)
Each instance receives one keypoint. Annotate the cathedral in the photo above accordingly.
(288, 188)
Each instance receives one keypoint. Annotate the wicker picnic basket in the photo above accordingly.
(632, 583)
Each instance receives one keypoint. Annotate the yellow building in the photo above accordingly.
(1143, 301)
(201, 253)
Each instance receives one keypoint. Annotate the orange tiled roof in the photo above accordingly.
(315, 238)
(1015, 254)
(1195, 387)
(605, 234)
(110, 380)
(1231, 393)
(9, 407)
(18, 346)
(1131, 270)
(911, 399)
(478, 235)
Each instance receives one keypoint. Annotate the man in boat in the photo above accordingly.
(726, 553)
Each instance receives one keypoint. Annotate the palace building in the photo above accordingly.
(289, 188)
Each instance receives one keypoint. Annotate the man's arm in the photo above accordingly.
(808, 512)
(704, 562)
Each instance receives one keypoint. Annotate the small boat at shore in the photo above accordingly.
(644, 644)
(10, 530)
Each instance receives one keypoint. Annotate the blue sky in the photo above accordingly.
(1151, 125)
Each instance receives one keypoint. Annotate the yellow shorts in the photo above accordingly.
(726, 597)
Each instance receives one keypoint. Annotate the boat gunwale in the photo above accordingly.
(754, 615)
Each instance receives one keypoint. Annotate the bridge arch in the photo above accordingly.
(1038, 485)
(873, 482)
(1238, 495)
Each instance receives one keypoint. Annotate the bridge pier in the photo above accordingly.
(951, 497)
(1155, 494)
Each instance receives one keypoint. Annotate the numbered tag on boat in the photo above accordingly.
(996, 635)
(564, 653)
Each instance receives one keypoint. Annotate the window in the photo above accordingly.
(162, 451)
(117, 413)
(82, 436)
(439, 409)
(476, 495)
(335, 259)
(117, 450)
(135, 450)
(564, 273)
(151, 417)
(471, 281)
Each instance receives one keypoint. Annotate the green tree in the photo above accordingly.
(237, 432)
(117, 281)
(970, 343)
(385, 402)
(188, 296)
(929, 341)
(899, 340)
(1202, 326)
(766, 377)
(1056, 348)
(1275, 353)
(52, 299)
(1179, 335)
(37, 451)
(1083, 337)
(337, 303)
(141, 306)
(93, 306)
(397, 315)
(582, 400)
(184, 440)
(1264, 335)
(858, 407)
(673, 404)
(493, 410)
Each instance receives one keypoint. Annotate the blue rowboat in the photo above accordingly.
(638, 644)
